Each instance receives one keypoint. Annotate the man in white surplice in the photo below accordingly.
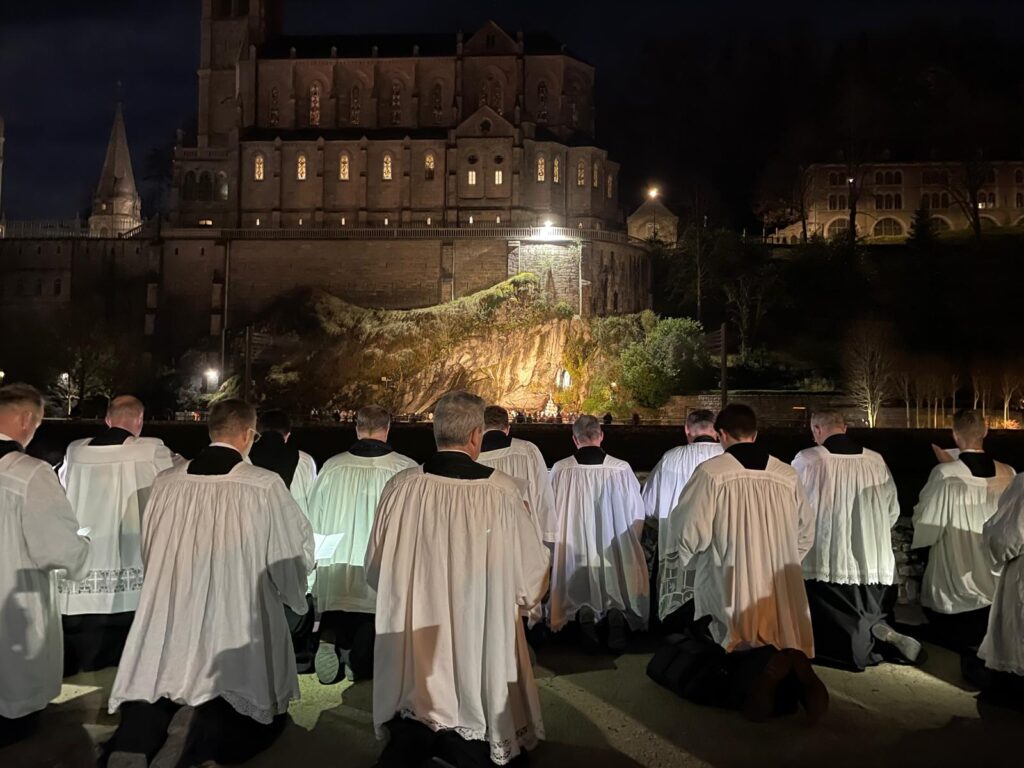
(745, 525)
(599, 568)
(38, 535)
(208, 670)
(1003, 647)
(342, 505)
(454, 558)
(108, 480)
(661, 493)
(960, 579)
(850, 568)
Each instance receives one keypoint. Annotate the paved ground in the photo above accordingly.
(602, 712)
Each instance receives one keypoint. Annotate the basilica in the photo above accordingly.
(393, 171)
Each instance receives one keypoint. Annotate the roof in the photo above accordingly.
(117, 177)
(575, 139)
(653, 206)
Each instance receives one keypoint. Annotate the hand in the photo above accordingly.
(941, 455)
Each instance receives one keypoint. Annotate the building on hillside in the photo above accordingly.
(393, 172)
(653, 221)
(888, 195)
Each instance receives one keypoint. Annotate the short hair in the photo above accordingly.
(372, 418)
(969, 423)
(125, 407)
(701, 416)
(495, 417)
(20, 396)
(738, 420)
(230, 417)
(828, 417)
(456, 415)
(275, 420)
(586, 427)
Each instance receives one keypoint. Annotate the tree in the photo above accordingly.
(922, 229)
(1009, 385)
(964, 183)
(869, 367)
(668, 361)
(748, 298)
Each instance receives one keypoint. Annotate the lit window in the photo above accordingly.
(428, 166)
(609, 186)
(300, 222)
(497, 178)
(206, 222)
(470, 219)
(314, 104)
(471, 178)
(257, 221)
(343, 221)
(386, 221)
(386, 170)
(300, 168)
(540, 168)
(428, 221)
(344, 167)
(556, 170)
(581, 174)
(497, 219)
(259, 167)
(595, 175)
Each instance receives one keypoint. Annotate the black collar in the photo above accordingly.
(214, 460)
(111, 436)
(273, 453)
(370, 449)
(10, 446)
(590, 454)
(841, 444)
(980, 464)
(704, 439)
(750, 455)
(457, 465)
(494, 440)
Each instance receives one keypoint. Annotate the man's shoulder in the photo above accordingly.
(524, 446)
(21, 468)
(613, 464)
(813, 455)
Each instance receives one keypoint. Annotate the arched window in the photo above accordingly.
(386, 167)
(541, 168)
(888, 227)
(437, 102)
(542, 102)
(259, 167)
(300, 167)
(837, 227)
(396, 102)
(879, 202)
(314, 104)
(344, 167)
(354, 105)
(888, 177)
(556, 170)
(609, 186)
(888, 203)
(189, 188)
(595, 175)
(222, 186)
(897, 201)
(205, 190)
(1018, 177)
(925, 201)
(428, 166)
(842, 202)
(945, 200)
(878, 177)
(897, 177)
(581, 174)
(499, 178)
(940, 224)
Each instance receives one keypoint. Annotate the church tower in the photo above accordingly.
(231, 31)
(116, 206)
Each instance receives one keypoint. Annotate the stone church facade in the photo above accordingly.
(394, 172)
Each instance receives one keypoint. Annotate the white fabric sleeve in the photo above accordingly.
(696, 513)
(930, 512)
(374, 547)
(547, 495)
(650, 490)
(164, 458)
(290, 550)
(891, 498)
(62, 472)
(1003, 533)
(532, 562)
(807, 520)
(50, 528)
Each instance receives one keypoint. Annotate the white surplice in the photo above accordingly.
(1003, 535)
(303, 480)
(661, 493)
(454, 562)
(38, 535)
(598, 560)
(949, 518)
(108, 487)
(524, 461)
(854, 498)
(746, 531)
(343, 501)
(222, 554)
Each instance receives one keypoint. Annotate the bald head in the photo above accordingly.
(126, 412)
(21, 412)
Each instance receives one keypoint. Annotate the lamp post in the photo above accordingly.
(653, 193)
(212, 379)
(65, 380)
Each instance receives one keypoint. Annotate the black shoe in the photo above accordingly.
(813, 693)
(588, 630)
(760, 701)
(328, 665)
(616, 632)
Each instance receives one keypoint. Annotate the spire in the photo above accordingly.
(116, 207)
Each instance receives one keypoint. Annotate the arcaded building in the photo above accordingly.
(392, 171)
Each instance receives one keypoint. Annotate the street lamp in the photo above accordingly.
(212, 378)
(2, 375)
(653, 193)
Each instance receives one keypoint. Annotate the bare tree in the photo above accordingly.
(869, 367)
(748, 298)
(964, 181)
(1009, 385)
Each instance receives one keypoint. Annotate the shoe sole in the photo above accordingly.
(909, 648)
(327, 665)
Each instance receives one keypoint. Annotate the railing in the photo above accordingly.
(405, 233)
(44, 229)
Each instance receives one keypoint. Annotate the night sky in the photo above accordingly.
(60, 62)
